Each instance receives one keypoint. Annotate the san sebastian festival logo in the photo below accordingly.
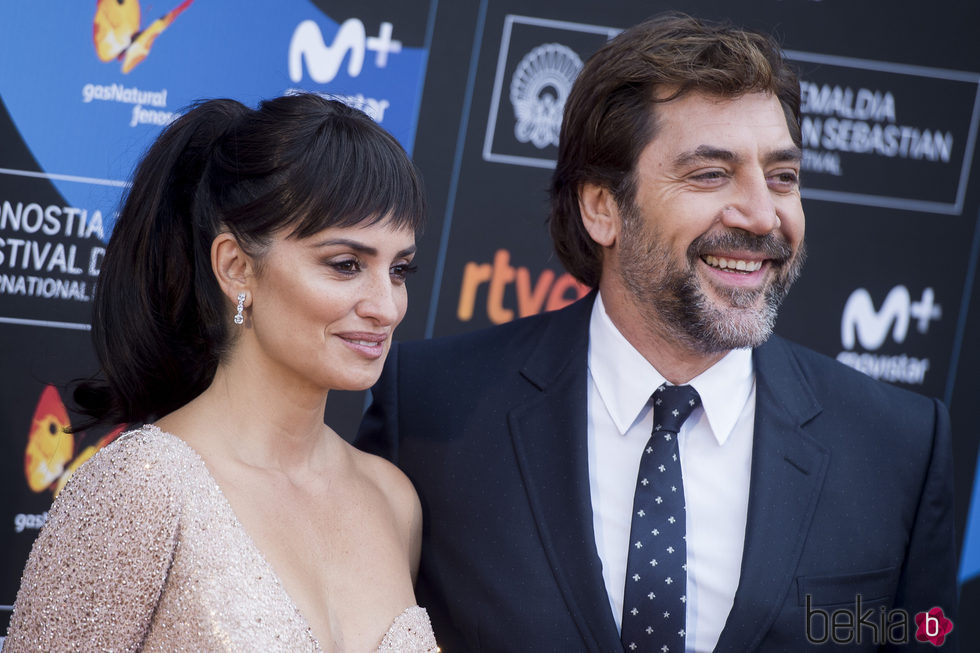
(538, 61)
(538, 91)
(873, 134)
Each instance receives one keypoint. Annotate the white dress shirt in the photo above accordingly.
(715, 449)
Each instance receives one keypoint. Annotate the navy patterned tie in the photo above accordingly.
(656, 568)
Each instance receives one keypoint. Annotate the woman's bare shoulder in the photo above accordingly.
(393, 484)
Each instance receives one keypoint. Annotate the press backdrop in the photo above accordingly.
(474, 89)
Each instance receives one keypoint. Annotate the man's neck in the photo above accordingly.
(676, 361)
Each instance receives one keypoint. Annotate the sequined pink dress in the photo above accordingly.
(177, 571)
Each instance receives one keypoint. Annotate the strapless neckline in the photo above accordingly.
(411, 631)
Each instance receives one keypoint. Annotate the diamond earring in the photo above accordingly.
(239, 318)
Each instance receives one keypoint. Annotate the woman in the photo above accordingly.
(259, 262)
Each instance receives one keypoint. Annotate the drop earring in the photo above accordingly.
(239, 318)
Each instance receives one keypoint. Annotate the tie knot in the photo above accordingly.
(672, 404)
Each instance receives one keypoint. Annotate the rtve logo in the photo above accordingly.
(323, 61)
(862, 324)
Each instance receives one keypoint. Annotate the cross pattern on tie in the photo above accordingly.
(656, 569)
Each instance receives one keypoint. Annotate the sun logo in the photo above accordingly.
(117, 34)
(49, 446)
(49, 459)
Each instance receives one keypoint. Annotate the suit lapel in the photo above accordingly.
(549, 434)
(788, 469)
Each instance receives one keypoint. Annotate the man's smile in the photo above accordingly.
(732, 264)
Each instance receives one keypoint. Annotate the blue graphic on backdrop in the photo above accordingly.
(970, 554)
(90, 102)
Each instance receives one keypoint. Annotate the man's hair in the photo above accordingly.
(610, 113)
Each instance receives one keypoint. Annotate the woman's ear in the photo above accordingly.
(600, 213)
(232, 267)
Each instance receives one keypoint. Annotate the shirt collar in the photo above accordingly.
(625, 380)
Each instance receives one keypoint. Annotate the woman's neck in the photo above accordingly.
(249, 417)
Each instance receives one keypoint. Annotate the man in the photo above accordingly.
(815, 503)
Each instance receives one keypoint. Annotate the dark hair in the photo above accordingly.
(609, 115)
(294, 166)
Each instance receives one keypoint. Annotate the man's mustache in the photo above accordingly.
(768, 245)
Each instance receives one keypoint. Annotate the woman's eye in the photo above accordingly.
(402, 271)
(346, 266)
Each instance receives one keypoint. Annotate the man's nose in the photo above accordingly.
(752, 207)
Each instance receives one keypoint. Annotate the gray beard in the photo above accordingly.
(672, 301)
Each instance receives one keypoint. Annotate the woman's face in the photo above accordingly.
(323, 308)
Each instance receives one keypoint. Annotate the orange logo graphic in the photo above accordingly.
(116, 31)
(548, 293)
(49, 459)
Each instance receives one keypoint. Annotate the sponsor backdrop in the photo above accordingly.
(474, 91)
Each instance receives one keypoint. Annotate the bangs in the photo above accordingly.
(352, 176)
(302, 164)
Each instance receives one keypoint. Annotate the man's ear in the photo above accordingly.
(232, 267)
(600, 213)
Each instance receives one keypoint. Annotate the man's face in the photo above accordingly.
(714, 236)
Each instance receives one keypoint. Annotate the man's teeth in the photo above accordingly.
(732, 264)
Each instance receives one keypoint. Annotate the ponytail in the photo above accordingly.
(157, 326)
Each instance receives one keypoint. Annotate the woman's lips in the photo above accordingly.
(367, 344)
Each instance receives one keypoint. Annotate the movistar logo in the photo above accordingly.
(323, 61)
(862, 323)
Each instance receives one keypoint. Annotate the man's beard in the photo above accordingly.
(672, 301)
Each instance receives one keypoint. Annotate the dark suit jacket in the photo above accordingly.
(850, 494)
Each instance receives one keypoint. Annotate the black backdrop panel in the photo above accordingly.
(893, 230)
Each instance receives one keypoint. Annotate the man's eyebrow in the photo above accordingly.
(785, 155)
(703, 154)
(708, 153)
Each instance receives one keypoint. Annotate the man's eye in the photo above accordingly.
(710, 175)
(788, 178)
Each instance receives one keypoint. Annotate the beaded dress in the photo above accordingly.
(141, 551)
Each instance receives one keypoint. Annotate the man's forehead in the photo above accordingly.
(709, 108)
(698, 124)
